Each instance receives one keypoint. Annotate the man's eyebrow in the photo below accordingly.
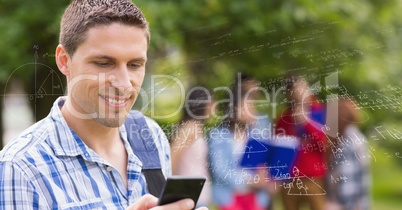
(141, 60)
(106, 57)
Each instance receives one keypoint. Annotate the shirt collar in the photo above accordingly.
(62, 138)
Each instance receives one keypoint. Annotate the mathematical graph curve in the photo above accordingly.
(39, 92)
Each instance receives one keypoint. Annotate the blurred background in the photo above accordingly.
(207, 42)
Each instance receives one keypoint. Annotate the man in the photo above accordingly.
(79, 156)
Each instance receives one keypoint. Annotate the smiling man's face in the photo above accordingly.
(106, 72)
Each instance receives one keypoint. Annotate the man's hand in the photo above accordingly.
(150, 202)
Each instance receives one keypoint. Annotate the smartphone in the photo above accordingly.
(181, 187)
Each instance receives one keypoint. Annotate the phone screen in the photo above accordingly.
(181, 187)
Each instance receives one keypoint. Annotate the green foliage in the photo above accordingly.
(266, 38)
(269, 39)
(29, 32)
(206, 42)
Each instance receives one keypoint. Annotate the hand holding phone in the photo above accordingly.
(181, 187)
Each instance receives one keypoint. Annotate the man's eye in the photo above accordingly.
(102, 64)
(135, 65)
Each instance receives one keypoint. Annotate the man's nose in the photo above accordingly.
(120, 80)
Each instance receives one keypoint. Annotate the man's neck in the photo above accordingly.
(98, 137)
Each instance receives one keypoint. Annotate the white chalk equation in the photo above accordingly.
(294, 182)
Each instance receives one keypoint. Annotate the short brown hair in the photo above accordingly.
(81, 15)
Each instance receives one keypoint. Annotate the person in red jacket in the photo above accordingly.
(303, 118)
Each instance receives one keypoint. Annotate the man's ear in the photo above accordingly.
(62, 60)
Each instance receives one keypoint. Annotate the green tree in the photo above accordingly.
(269, 39)
(206, 42)
(29, 35)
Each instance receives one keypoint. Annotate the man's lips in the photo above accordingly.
(115, 101)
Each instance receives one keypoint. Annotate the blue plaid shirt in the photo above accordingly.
(49, 167)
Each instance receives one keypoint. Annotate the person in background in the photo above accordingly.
(300, 120)
(79, 156)
(348, 180)
(188, 145)
(235, 187)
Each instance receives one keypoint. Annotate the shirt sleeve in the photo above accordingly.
(16, 191)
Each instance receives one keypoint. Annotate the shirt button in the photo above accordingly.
(86, 154)
(109, 168)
